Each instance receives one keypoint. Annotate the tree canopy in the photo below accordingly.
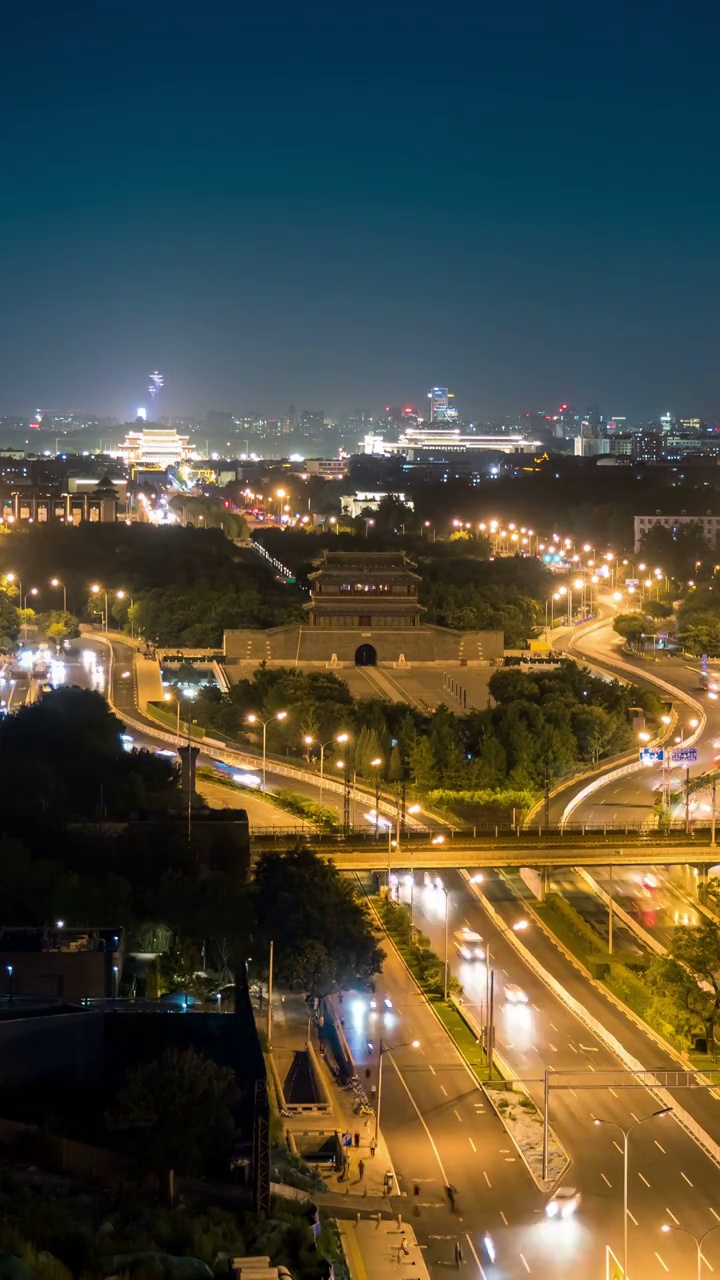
(321, 929)
(176, 1113)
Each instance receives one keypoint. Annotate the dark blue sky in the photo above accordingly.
(338, 205)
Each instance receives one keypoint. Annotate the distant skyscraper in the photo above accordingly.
(156, 385)
(441, 409)
(142, 413)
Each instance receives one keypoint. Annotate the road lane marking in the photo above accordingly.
(617, 1146)
(431, 1067)
(642, 1175)
(612, 1091)
(442, 1086)
(607, 1180)
(664, 1265)
(523, 1259)
(572, 1046)
(502, 1215)
(632, 1113)
(455, 1113)
(421, 1118)
(684, 1175)
(657, 1144)
(672, 1215)
(486, 1178)
(552, 1046)
(552, 1024)
(715, 1215)
(473, 1251)
(472, 1144)
(632, 1215)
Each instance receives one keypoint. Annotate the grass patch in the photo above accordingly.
(621, 978)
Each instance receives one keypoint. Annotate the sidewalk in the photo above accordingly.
(373, 1251)
(290, 1028)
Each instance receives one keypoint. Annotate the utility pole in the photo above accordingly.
(610, 916)
(270, 996)
(712, 828)
(546, 1122)
(490, 1026)
(687, 800)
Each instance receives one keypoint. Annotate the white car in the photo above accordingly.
(563, 1204)
(469, 944)
(515, 994)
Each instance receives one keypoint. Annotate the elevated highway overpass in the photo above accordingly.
(521, 853)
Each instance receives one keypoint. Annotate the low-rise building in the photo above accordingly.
(708, 524)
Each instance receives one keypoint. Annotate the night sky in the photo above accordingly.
(340, 205)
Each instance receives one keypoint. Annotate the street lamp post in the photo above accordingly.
(377, 765)
(626, 1136)
(382, 1050)
(445, 981)
(188, 697)
(122, 595)
(699, 1241)
(32, 592)
(517, 927)
(55, 582)
(310, 741)
(252, 718)
(97, 590)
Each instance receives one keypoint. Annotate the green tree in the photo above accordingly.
(693, 954)
(319, 924)
(395, 765)
(176, 1113)
(58, 625)
(633, 628)
(422, 764)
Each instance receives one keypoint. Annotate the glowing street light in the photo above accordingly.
(97, 590)
(125, 595)
(55, 582)
(253, 718)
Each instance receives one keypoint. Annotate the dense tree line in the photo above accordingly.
(186, 584)
(539, 726)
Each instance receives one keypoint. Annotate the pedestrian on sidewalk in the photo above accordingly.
(367, 1127)
(459, 1257)
(373, 1146)
(361, 1169)
(404, 1246)
(357, 1140)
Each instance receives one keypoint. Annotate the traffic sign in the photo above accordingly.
(684, 755)
(651, 755)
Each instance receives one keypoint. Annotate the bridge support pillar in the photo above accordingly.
(544, 883)
(702, 881)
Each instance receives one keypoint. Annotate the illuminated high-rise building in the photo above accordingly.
(441, 409)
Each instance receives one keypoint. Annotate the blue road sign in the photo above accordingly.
(651, 755)
(684, 755)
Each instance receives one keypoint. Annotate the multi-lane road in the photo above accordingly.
(439, 1128)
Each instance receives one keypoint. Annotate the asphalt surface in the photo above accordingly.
(632, 799)
(670, 1176)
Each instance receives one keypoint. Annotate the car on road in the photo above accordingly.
(563, 1203)
(515, 994)
(469, 944)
